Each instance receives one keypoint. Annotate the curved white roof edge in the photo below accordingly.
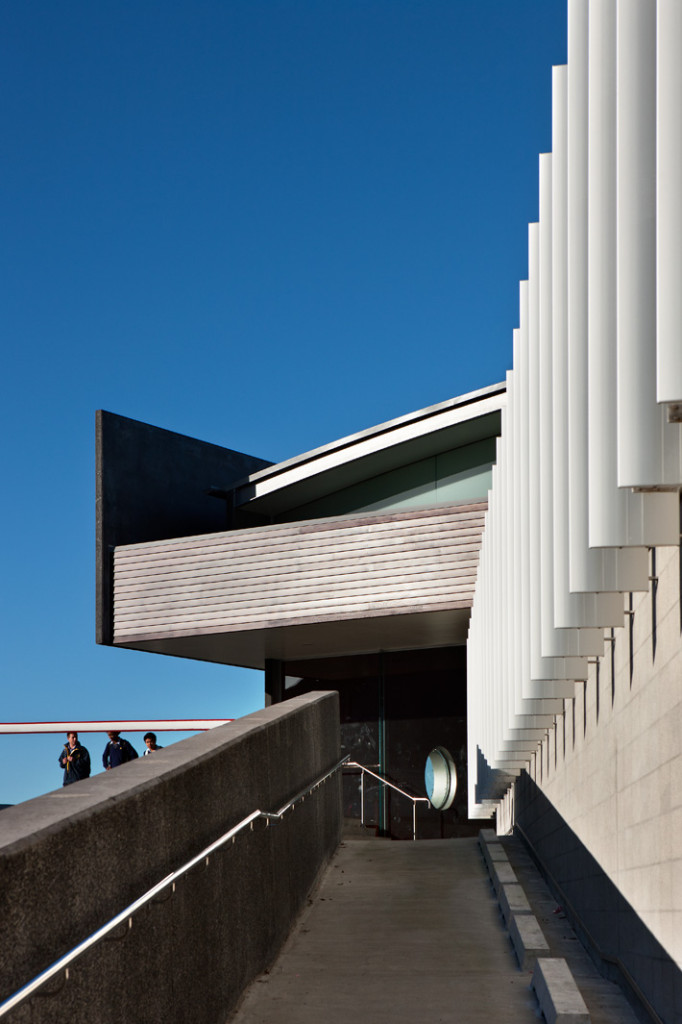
(375, 439)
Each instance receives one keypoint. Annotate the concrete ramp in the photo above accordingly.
(396, 931)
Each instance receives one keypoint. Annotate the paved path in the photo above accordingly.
(396, 932)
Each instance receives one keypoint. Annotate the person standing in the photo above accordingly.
(74, 759)
(117, 751)
(150, 743)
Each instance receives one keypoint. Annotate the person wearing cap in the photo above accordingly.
(74, 759)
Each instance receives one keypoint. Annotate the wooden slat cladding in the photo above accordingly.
(341, 568)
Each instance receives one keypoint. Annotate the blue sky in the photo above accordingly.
(263, 223)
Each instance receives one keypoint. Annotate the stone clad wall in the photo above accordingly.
(602, 803)
(73, 859)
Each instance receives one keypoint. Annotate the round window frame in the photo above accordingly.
(444, 775)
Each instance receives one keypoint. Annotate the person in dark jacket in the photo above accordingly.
(74, 759)
(150, 743)
(117, 751)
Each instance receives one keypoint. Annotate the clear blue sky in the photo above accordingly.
(262, 223)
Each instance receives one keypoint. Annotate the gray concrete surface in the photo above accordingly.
(528, 940)
(502, 876)
(513, 900)
(73, 859)
(396, 932)
(408, 932)
(605, 1001)
(559, 996)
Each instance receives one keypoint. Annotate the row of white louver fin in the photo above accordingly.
(590, 458)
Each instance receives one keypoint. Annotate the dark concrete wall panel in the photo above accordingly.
(73, 859)
(153, 484)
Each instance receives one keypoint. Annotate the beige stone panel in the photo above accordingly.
(668, 591)
(676, 888)
(639, 845)
(618, 785)
(674, 843)
(669, 930)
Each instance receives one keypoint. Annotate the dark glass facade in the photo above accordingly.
(462, 474)
(395, 708)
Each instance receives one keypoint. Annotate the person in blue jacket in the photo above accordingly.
(117, 751)
(150, 743)
(74, 759)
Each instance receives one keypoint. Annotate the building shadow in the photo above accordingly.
(621, 945)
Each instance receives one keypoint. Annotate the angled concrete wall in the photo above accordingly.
(73, 859)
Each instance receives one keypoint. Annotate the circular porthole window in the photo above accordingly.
(440, 778)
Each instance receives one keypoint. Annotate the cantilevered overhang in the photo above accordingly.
(342, 585)
(453, 424)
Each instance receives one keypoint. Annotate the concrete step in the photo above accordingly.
(352, 829)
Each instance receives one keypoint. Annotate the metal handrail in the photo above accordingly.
(132, 908)
(391, 785)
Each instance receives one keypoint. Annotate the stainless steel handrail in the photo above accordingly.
(127, 913)
(391, 785)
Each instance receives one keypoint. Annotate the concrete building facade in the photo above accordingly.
(351, 568)
(574, 649)
(499, 574)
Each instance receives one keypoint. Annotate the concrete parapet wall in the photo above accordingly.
(73, 859)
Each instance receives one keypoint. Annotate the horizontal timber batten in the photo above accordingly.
(129, 591)
(375, 522)
(246, 547)
(265, 577)
(332, 586)
(248, 609)
(373, 568)
(243, 559)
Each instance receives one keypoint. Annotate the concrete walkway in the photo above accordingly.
(396, 932)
